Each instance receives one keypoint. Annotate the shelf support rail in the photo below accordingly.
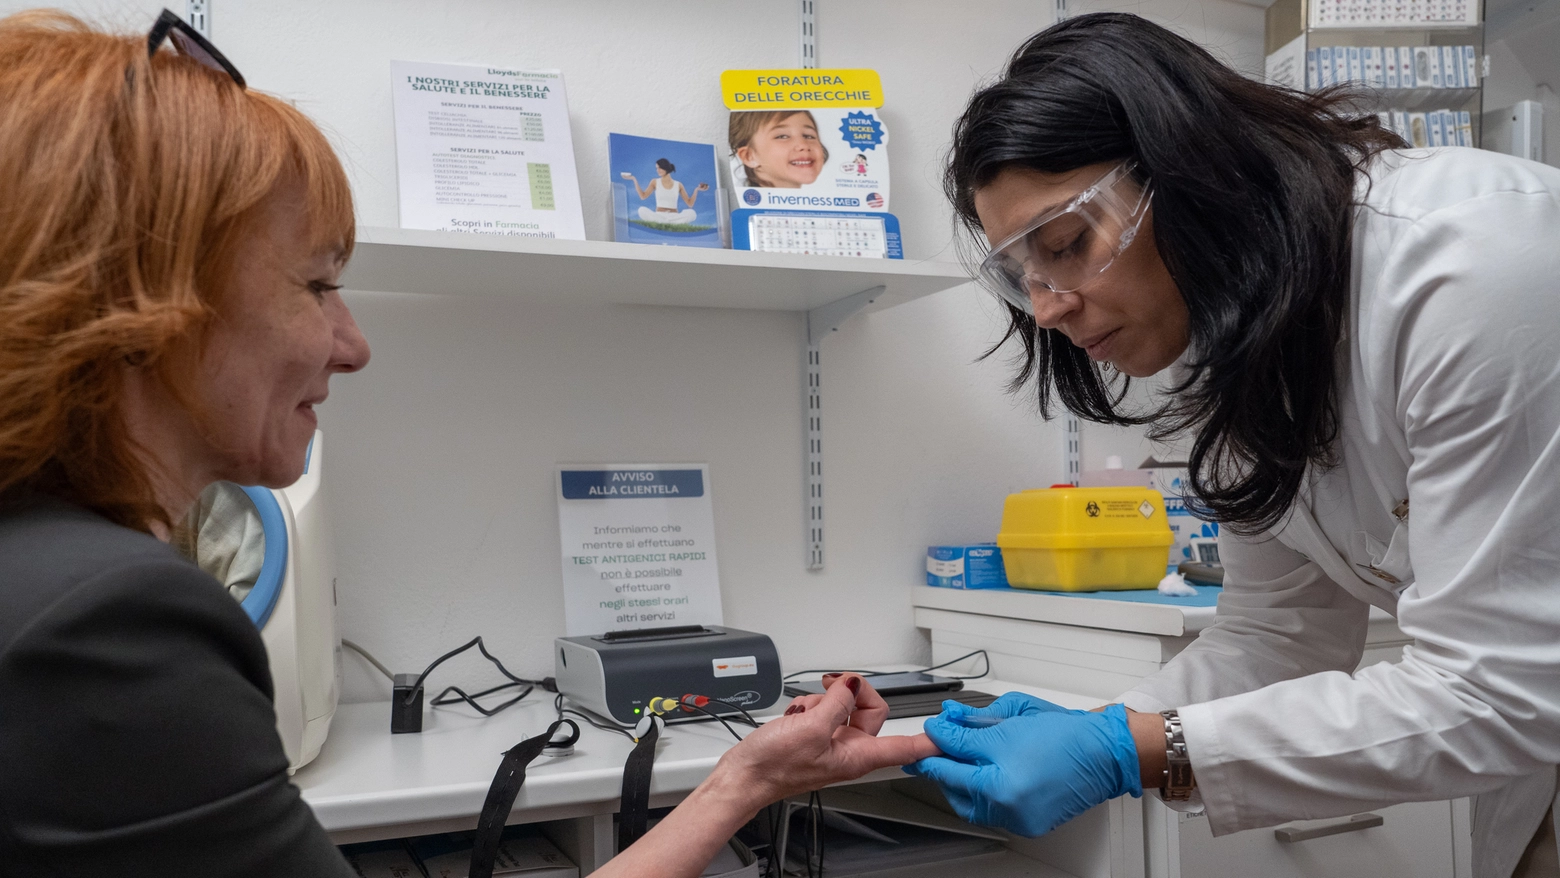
(809, 43)
(821, 321)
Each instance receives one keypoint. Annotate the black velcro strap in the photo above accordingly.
(634, 808)
(501, 798)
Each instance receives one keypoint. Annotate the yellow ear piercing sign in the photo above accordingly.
(800, 89)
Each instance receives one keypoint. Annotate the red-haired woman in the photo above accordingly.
(170, 249)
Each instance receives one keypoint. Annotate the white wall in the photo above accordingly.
(1511, 81)
(1523, 43)
(441, 454)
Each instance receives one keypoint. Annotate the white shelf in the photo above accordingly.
(457, 264)
(827, 289)
(1400, 27)
(1141, 618)
(1422, 98)
(1171, 620)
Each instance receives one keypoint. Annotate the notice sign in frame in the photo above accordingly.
(638, 545)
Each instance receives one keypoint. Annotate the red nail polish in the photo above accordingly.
(795, 708)
(855, 685)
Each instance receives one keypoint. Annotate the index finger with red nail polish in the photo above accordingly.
(871, 711)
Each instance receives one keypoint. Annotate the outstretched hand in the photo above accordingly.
(822, 740)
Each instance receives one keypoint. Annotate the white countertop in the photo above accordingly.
(366, 778)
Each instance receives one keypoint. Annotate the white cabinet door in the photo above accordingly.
(1414, 840)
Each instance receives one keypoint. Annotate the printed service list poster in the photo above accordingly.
(638, 547)
(485, 150)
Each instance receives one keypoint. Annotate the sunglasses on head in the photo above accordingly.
(189, 43)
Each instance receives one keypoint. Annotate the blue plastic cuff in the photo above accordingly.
(262, 598)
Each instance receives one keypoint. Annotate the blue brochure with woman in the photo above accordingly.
(664, 192)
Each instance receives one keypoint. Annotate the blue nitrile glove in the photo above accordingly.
(1008, 705)
(1041, 766)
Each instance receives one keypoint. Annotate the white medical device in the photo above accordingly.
(1517, 130)
(293, 603)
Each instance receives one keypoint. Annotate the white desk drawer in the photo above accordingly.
(1414, 840)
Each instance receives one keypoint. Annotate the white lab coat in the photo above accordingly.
(1450, 399)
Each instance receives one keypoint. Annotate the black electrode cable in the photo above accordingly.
(441, 700)
(477, 642)
(978, 652)
(718, 718)
(589, 720)
(745, 715)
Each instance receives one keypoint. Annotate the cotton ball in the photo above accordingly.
(1174, 585)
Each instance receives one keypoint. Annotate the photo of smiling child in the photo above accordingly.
(778, 149)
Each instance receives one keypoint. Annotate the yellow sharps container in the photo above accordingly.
(1085, 539)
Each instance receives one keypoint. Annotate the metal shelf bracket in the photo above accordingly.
(821, 321)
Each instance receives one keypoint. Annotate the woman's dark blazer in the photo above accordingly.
(137, 736)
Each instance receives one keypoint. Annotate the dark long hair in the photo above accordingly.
(1252, 201)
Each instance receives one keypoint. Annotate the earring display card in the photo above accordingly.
(817, 233)
(809, 142)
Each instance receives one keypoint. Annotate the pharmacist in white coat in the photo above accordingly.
(1365, 343)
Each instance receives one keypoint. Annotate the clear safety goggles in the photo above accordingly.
(1065, 248)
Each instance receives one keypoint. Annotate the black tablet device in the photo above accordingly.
(913, 683)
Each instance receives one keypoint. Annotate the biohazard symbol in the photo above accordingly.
(1093, 509)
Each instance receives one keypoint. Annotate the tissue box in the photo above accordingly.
(970, 566)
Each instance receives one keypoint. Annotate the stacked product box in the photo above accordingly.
(973, 565)
(1393, 67)
(1430, 128)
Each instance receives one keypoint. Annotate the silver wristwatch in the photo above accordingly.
(1178, 781)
